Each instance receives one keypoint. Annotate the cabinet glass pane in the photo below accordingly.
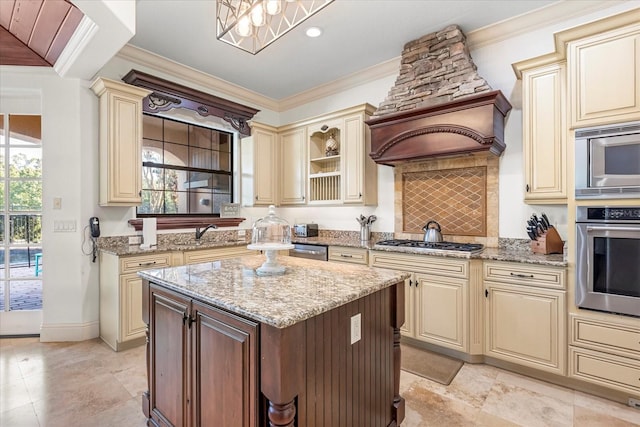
(152, 127)
(176, 132)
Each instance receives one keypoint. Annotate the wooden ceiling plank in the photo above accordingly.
(68, 27)
(14, 52)
(50, 19)
(6, 11)
(24, 16)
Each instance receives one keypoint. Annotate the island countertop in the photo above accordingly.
(307, 288)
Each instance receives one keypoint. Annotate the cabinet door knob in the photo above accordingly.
(256, 197)
(486, 293)
(527, 188)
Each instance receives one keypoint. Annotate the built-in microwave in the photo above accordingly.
(607, 161)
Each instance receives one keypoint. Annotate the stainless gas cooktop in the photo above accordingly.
(469, 248)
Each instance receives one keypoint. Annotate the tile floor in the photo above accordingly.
(86, 383)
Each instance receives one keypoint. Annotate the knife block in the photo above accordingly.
(549, 243)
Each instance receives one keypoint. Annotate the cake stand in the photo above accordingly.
(270, 267)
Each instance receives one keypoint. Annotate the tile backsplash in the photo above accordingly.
(460, 193)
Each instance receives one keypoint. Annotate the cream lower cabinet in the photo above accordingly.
(525, 315)
(604, 76)
(441, 299)
(605, 352)
(121, 324)
(349, 254)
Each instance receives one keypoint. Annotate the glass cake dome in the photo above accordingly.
(271, 234)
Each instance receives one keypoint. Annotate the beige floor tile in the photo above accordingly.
(426, 408)
(22, 416)
(585, 417)
(13, 395)
(527, 407)
(604, 406)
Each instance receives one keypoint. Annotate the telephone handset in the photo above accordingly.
(94, 226)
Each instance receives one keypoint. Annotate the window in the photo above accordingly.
(186, 169)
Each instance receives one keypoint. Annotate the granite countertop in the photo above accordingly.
(515, 253)
(517, 250)
(123, 249)
(307, 288)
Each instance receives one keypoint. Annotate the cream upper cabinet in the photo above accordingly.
(544, 134)
(120, 142)
(525, 315)
(293, 171)
(346, 175)
(360, 171)
(259, 163)
(604, 76)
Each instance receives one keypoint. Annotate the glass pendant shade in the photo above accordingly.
(258, 23)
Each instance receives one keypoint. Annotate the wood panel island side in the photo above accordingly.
(227, 347)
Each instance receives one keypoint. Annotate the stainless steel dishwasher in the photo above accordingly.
(310, 251)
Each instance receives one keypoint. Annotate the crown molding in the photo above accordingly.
(552, 14)
(549, 15)
(86, 31)
(358, 78)
(188, 74)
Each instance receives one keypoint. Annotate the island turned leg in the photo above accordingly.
(282, 415)
(281, 372)
(397, 307)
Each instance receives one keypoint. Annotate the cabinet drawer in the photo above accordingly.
(440, 266)
(606, 370)
(352, 255)
(608, 337)
(144, 262)
(525, 274)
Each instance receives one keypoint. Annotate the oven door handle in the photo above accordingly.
(631, 229)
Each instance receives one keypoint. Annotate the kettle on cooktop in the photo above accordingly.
(432, 234)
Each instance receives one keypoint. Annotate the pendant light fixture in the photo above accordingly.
(258, 23)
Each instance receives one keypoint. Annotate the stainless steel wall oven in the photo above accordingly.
(608, 259)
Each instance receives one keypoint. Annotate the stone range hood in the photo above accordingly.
(439, 105)
(466, 125)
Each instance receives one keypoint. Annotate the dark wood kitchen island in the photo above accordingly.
(227, 347)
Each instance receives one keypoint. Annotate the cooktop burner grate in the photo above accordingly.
(445, 246)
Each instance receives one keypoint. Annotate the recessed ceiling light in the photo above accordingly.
(313, 32)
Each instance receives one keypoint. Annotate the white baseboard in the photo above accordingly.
(69, 331)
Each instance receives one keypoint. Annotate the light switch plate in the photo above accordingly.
(356, 328)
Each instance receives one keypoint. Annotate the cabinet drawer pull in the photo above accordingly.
(346, 256)
(143, 264)
(525, 276)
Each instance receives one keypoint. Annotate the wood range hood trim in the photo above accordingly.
(466, 125)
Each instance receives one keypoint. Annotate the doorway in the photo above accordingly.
(22, 265)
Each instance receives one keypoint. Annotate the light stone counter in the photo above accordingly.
(307, 288)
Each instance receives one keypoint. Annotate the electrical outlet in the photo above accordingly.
(356, 328)
(242, 233)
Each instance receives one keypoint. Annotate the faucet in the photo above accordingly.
(199, 233)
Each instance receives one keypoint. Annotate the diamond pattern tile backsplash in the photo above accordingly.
(455, 198)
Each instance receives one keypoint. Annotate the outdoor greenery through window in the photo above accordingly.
(20, 212)
(186, 169)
